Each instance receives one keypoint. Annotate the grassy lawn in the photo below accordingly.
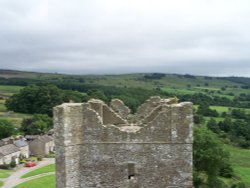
(5, 173)
(43, 182)
(1, 183)
(240, 159)
(49, 168)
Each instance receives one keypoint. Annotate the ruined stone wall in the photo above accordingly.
(102, 146)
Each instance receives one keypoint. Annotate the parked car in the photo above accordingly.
(30, 164)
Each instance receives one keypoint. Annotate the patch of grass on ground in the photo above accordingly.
(177, 91)
(207, 88)
(10, 89)
(5, 173)
(217, 119)
(15, 118)
(46, 169)
(16, 121)
(240, 159)
(220, 109)
(2, 107)
(1, 183)
(43, 182)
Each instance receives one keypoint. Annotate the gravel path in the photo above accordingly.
(15, 177)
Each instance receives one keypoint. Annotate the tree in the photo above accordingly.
(198, 119)
(226, 125)
(204, 110)
(213, 126)
(36, 99)
(38, 124)
(209, 157)
(6, 128)
(74, 96)
(97, 94)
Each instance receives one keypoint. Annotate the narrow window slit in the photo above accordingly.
(131, 171)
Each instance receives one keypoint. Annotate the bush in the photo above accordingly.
(4, 166)
(6, 128)
(13, 164)
(40, 158)
(38, 124)
(23, 161)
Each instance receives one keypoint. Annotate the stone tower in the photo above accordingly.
(107, 147)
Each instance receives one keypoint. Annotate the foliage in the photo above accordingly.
(198, 119)
(213, 126)
(209, 157)
(35, 99)
(38, 124)
(6, 128)
(204, 110)
(97, 94)
(13, 164)
(154, 76)
(41, 99)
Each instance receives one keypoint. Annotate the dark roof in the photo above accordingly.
(45, 138)
(7, 139)
(8, 149)
(20, 143)
(31, 137)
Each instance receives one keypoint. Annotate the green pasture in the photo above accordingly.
(177, 91)
(240, 159)
(9, 89)
(2, 107)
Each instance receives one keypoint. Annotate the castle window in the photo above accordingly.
(131, 171)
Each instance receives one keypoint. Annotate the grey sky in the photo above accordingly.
(206, 37)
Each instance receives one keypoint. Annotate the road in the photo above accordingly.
(15, 177)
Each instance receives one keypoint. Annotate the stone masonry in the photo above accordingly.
(108, 147)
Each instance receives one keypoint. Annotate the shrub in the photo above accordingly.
(40, 158)
(13, 164)
(4, 166)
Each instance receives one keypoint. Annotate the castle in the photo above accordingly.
(108, 147)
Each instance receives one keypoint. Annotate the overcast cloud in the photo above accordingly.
(205, 37)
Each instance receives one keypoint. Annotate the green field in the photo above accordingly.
(240, 159)
(2, 107)
(5, 173)
(15, 118)
(46, 169)
(171, 84)
(43, 182)
(10, 89)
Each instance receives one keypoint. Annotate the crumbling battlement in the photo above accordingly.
(96, 143)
